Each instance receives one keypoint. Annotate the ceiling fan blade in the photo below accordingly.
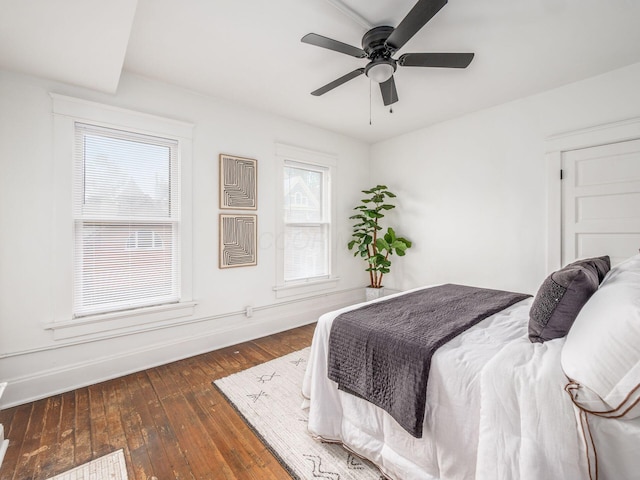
(335, 45)
(389, 92)
(444, 60)
(338, 82)
(420, 14)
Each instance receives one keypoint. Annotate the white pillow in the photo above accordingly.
(601, 355)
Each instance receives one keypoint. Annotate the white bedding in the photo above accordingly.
(496, 409)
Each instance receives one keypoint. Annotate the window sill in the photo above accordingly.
(305, 288)
(128, 321)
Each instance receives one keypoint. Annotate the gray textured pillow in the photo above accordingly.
(562, 295)
(602, 265)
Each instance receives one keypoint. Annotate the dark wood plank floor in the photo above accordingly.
(170, 421)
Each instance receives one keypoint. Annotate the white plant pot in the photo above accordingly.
(373, 293)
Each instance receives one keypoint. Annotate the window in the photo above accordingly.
(305, 241)
(126, 220)
(306, 222)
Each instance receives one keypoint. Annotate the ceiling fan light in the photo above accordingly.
(380, 71)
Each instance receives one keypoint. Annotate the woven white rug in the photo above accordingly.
(109, 467)
(269, 398)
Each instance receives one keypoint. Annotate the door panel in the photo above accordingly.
(616, 245)
(601, 202)
(608, 207)
(622, 167)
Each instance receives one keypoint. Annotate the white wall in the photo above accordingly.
(36, 365)
(472, 191)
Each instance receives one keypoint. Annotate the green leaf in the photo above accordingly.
(405, 241)
(390, 236)
(382, 244)
(351, 244)
(398, 243)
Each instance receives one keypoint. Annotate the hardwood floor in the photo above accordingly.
(170, 420)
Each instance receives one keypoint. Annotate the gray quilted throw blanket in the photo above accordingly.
(382, 351)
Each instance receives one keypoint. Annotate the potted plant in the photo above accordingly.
(369, 242)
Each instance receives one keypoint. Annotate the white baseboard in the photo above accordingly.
(44, 382)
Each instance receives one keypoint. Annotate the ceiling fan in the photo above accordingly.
(380, 44)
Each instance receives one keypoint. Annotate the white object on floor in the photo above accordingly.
(4, 443)
(109, 467)
(374, 293)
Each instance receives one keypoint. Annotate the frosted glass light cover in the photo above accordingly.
(381, 72)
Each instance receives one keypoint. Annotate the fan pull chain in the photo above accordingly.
(370, 81)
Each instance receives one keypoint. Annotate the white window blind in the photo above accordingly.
(126, 220)
(307, 222)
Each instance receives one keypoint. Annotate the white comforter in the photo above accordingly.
(496, 409)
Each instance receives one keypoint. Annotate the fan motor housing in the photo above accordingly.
(373, 42)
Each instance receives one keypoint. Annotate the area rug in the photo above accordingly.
(109, 467)
(269, 398)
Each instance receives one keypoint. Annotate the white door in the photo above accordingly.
(601, 202)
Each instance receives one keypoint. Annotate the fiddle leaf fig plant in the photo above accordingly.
(374, 246)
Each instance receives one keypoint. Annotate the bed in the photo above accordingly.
(501, 406)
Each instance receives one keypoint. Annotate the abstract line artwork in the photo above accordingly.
(238, 244)
(238, 183)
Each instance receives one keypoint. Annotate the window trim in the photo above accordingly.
(286, 154)
(67, 111)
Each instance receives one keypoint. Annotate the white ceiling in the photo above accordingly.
(249, 52)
